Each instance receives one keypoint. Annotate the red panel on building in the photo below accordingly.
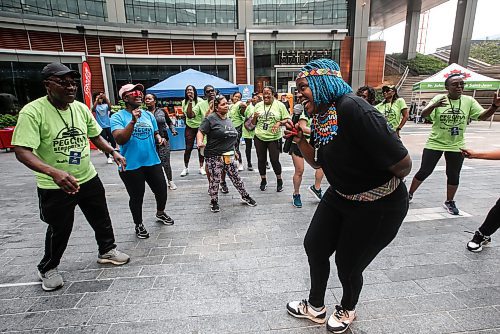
(73, 43)
(95, 67)
(345, 58)
(135, 46)
(93, 45)
(182, 47)
(160, 47)
(14, 39)
(204, 47)
(225, 47)
(239, 49)
(108, 44)
(45, 41)
(241, 71)
(376, 58)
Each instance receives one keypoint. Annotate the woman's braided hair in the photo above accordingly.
(325, 88)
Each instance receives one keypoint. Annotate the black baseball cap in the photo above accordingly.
(58, 70)
(389, 87)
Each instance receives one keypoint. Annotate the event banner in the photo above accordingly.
(86, 84)
(246, 92)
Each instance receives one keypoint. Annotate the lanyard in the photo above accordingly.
(385, 107)
(266, 112)
(66, 124)
(459, 105)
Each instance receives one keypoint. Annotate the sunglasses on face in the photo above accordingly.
(134, 93)
(64, 83)
(208, 91)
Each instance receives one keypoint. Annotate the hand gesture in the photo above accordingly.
(136, 114)
(441, 102)
(294, 131)
(120, 161)
(174, 132)
(496, 100)
(200, 145)
(470, 154)
(276, 127)
(190, 96)
(66, 181)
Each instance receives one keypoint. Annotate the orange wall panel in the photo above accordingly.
(45, 41)
(160, 47)
(241, 71)
(14, 39)
(182, 47)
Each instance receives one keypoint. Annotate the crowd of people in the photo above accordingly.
(347, 138)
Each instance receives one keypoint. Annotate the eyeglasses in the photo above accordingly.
(64, 83)
(133, 93)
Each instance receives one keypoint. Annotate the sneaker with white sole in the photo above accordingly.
(340, 320)
(185, 172)
(214, 206)
(317, 193)
(141, 231)
(171, 185)
(296, 201)
(241, 167)
(114, 256)
(248, 200)
(223, 188)
(451, 208)
(110, 160)
(302, 309)
(51, 280)
(410, 197)
(202, 171)
(477, 242)
(164, 218)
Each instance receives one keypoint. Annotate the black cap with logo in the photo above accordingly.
(58, 70)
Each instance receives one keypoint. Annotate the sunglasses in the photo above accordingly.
(64, 83)
(208, 91)
(133, 93)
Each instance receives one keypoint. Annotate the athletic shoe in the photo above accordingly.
(202, 171)
(279, 186)
(240, 166)
(477, 242)
(317, 193)
(185, 172)
(114, 256)
(214, 206)
(301, 309)
(250, 167)
(267, 165)
(141, 231)
(263, 185)
(451, 208)
(340, 320)
(110, 160)
(164, 218)
(51, 280)
(248, 200)
(410, 197)
(223, 188)
(172, 185)
(296, 202)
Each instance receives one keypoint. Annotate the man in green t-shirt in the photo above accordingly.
(449, 114)
(51, 138)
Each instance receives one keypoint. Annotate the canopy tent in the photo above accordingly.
(473, 80)
(175, 85)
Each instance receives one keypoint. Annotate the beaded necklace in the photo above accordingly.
(324, 128)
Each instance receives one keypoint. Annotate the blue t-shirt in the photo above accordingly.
(102, 115)
(140, 150)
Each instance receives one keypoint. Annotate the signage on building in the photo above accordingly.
(301, 57)
(86, 84)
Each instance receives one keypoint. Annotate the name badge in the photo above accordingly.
(74, 158)
(455, 131)
(265, 126)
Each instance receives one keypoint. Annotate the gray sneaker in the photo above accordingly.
(51, 280)
(114, 256)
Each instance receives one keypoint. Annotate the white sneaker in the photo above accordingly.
(110, 160)
(184, 172)
(240, 167)
(301, 309)
(172, 185)
(202, 171)
(340, 320)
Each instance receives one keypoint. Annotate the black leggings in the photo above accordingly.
(135, 180)
(356, 232)
(274, 147)
(430, 158)
(248, 150)
(106, 134)
(190, 137)
(164, 154)
(239, 129)
(492, 221)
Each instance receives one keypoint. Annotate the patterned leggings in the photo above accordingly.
(164, 154)
(215, 166)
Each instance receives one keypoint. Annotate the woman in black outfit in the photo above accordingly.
(362, 210)
(164, 123)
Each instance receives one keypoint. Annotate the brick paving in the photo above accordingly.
(234, 271)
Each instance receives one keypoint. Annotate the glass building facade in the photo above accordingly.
(278, 62)
(197, 13)
(94, 10)
(300, 12)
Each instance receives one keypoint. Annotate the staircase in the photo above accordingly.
(406, 89)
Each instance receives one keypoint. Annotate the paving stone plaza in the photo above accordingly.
(234, 271)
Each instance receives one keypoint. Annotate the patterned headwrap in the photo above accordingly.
(325, 80)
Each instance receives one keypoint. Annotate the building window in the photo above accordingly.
(300, 12)
(195, 13)
(94, 10)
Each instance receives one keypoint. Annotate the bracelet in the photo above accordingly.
(114, 150)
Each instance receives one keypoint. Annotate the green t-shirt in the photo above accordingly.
(248, 113)
(56, 142)
(392, 111)
(449, 123)
(234, 114)
(199, 110)
(269, 116)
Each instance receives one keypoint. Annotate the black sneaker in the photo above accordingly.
(477, 242)
(316, 192)
(279, 187)
(164, 218)
(301, 309)
(223, 188)
(214, 206)
(267, 165)
(410, 197)
(263, 184)
(141, 231)
(248, 200)
(250, 167)
(451, 208)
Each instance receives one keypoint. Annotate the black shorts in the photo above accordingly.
(294, 149)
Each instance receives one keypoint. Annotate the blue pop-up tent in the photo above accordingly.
(175, 85)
